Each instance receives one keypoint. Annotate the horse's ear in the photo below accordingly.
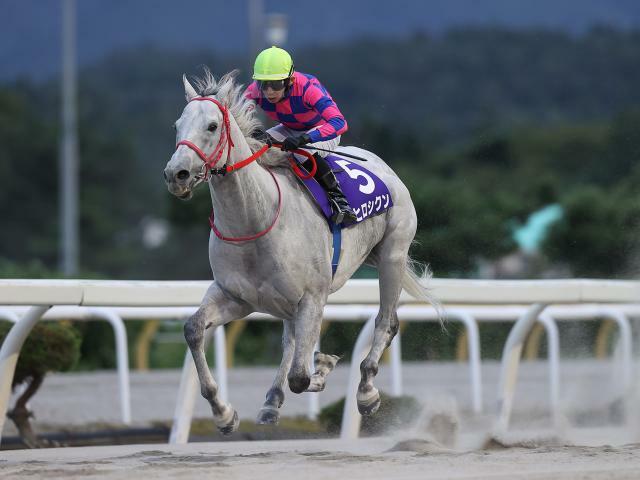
(189, 91)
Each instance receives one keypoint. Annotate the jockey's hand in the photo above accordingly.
(293, 143)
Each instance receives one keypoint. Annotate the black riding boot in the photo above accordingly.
(342, 211)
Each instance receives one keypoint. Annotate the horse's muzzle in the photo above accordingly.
(183, 192)
(186, 196)
(179, 184)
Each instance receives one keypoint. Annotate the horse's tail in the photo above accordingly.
(414, 281)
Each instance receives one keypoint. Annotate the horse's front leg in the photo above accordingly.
(307, 331)
(216, 309)
(270, 411)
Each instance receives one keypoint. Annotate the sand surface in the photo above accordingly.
(596, 442)
(373, 458)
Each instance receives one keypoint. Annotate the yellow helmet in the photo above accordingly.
(273, 64)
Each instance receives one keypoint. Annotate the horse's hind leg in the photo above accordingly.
(216, 309)
(270, 411)
(391, 268)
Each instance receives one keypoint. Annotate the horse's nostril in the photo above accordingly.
(166, 177)
(183, 174)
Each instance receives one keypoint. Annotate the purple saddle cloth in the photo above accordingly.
(365, 192)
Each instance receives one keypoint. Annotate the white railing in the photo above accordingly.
(116, 315)
(42, 294)
(471, 316)
(120, 335)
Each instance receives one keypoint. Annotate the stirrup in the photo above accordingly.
(337, 216)
(340, 214)
(349, 216)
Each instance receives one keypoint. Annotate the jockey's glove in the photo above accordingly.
(293, 143)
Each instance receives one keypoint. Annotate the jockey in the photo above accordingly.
(307, 114)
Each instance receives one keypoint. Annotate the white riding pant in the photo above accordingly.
(280, 132)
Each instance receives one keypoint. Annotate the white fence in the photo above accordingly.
(454, 294)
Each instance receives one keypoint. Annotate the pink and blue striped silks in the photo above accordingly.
(307, 105)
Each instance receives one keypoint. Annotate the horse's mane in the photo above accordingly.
(231, 94)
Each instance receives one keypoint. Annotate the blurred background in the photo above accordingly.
(516, 126)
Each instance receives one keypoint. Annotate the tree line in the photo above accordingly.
(485, 125)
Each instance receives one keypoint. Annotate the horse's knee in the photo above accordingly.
(298, 383)
(190, 334)
(193, 333)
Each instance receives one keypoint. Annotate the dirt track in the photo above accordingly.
(324, 459)
(588, 390)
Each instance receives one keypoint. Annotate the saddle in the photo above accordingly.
(365, 192)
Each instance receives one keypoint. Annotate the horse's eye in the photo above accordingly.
(212, 127)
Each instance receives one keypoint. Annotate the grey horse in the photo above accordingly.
(270, 247)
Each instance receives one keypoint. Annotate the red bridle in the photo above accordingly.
(210, 162)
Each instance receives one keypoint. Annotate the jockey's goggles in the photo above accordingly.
(276, 85)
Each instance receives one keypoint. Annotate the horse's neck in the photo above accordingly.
(245, 200)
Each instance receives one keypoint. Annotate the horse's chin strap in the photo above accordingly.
(198, 179)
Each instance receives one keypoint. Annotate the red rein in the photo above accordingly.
(210, 162)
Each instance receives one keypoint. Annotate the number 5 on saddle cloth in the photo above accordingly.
(365, 192)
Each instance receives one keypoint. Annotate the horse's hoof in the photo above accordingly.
(268, 416)
(370, 404)
(230, 427)
(299, 384)
(366, 410)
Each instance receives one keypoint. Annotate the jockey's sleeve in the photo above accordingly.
(333, 123)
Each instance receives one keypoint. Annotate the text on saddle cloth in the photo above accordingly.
(366, 193)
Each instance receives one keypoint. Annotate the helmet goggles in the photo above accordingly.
(276, 85)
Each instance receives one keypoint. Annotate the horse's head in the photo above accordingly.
(202, 137)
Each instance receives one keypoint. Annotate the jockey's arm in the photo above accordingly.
(333, 122)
